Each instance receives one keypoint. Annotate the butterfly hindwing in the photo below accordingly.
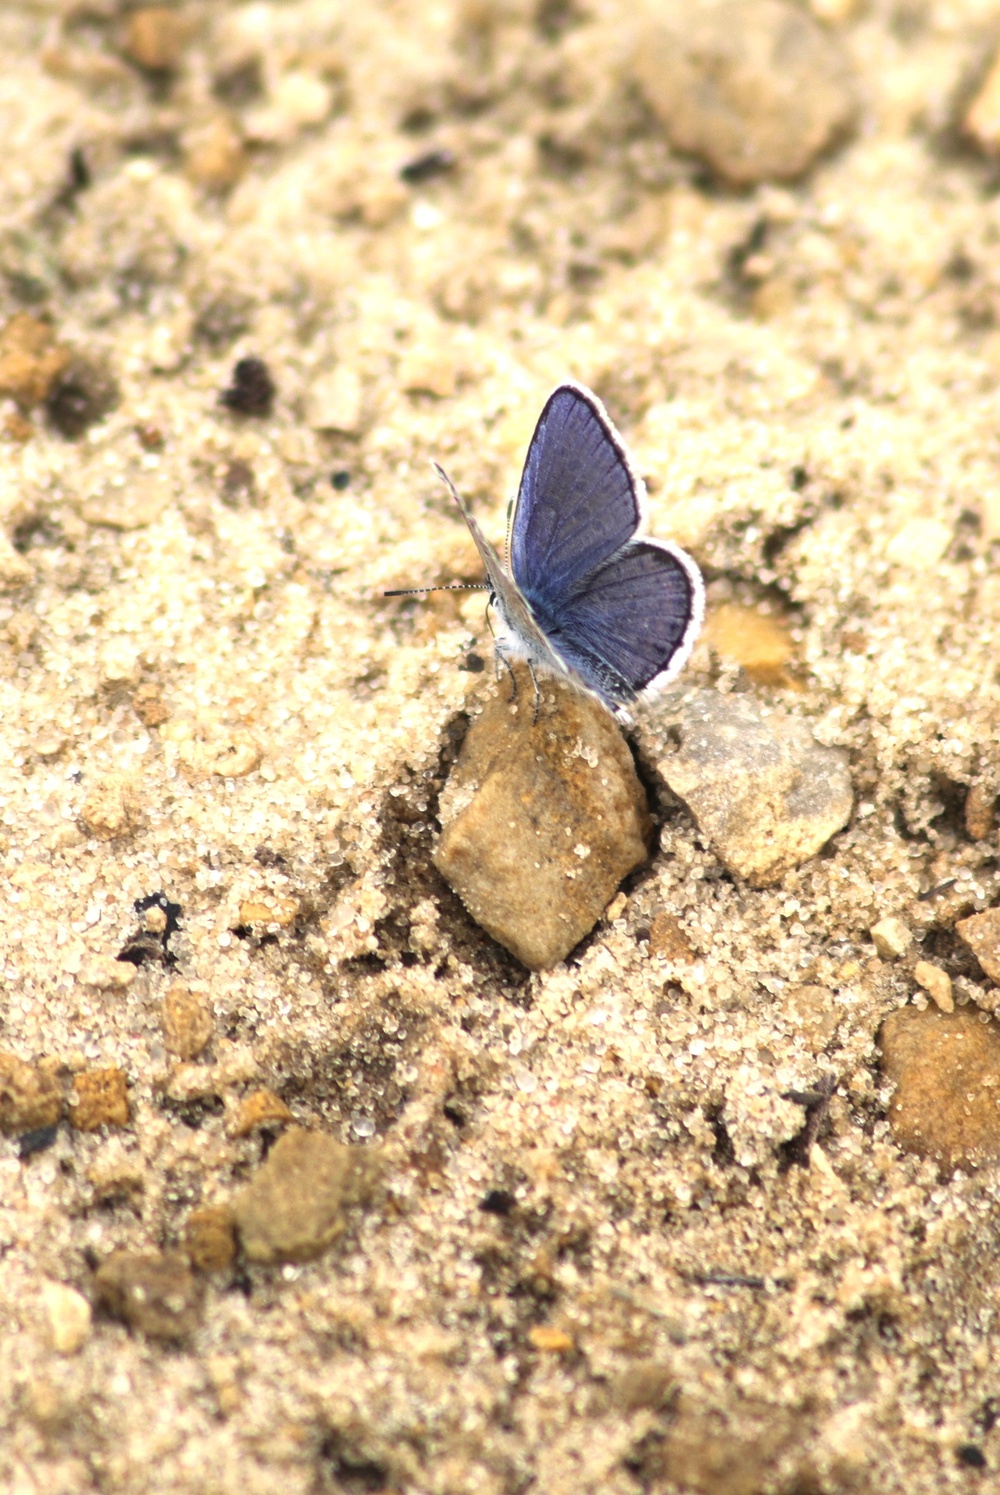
(633, 624)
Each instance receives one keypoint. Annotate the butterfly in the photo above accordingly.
(587, 596)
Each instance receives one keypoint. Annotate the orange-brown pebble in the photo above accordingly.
(668, 938)
(187, 1023)
(30, 359)
(29, 1097)
(210, 1238)
(214, 156)
(149, 705)
(98, 1097)
(111, 809)
(981, 932)
(550, 1341)
(982, 118)
(262, 1108)
(756, 641)
(944, 1065)
(980, 810)
(154, 38)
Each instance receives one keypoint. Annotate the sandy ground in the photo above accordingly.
(205, 697)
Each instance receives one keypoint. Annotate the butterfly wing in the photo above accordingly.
(631, 627)
(579, 501)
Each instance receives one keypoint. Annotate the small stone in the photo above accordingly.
(154, 38)
(541, 819)
(251, 390)
(214, 154)
(187, 1023)
(111, 809)
(152, 1291)
(919, 544)
(936, 983)
(262, 1108)
(550, 1341)
(980, 810)
(982, 118)
(149, 706)
(292, 1208)
(82, 394)
(755, 88)
(15, 571)
(645, 1383)
(891, 938)
(30, 1097)
(753, 640)
(945, 1067)
(336, 402)
(761, 788)
(833, 12)
(269, 909)
(981, 932)
(668, 938)
(30, 359)
(69, 1316)
(107, 973)
(814, 1012)
(98, 1097)
(430, 368)
(139, 503)
(210, 1239)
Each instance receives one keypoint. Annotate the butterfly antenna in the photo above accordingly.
(452, 586)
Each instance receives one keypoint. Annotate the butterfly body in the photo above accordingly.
(586, 595)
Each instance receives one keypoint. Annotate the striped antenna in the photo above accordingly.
(454, 586)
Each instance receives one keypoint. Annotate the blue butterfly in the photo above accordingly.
(586, 596)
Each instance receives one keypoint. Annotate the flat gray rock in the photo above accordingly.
(761, 788)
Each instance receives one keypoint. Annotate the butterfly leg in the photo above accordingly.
(538, 694)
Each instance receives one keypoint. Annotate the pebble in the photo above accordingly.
(111, 809)
(139, 503)
(210, 1238)
(754, 88)
(944, 1065)
(891, 938)
(541, 819)
(261, 1108)
(759, 644)
(293, 1207)
(149, 705)
(30, 1097)
(336, 402)
(919, 543)
(15, 571)
(761, 788)
(549, 1340)
(251, 389)
(269, 909)
(154, 38)
(980, 809)
(107, 973)
(982, 118)
(30, 359)
(155, 1292)
(981, 932)
(69, 1316)
(937, 984)
(186, 1021)
(668, 938)
(214, 154)
(98, 1097)
(82, 393)
(814, 1013)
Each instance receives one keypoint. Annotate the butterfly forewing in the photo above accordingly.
(633, 624)
(578, 502)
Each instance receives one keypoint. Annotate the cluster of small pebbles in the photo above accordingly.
(408, 1081)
